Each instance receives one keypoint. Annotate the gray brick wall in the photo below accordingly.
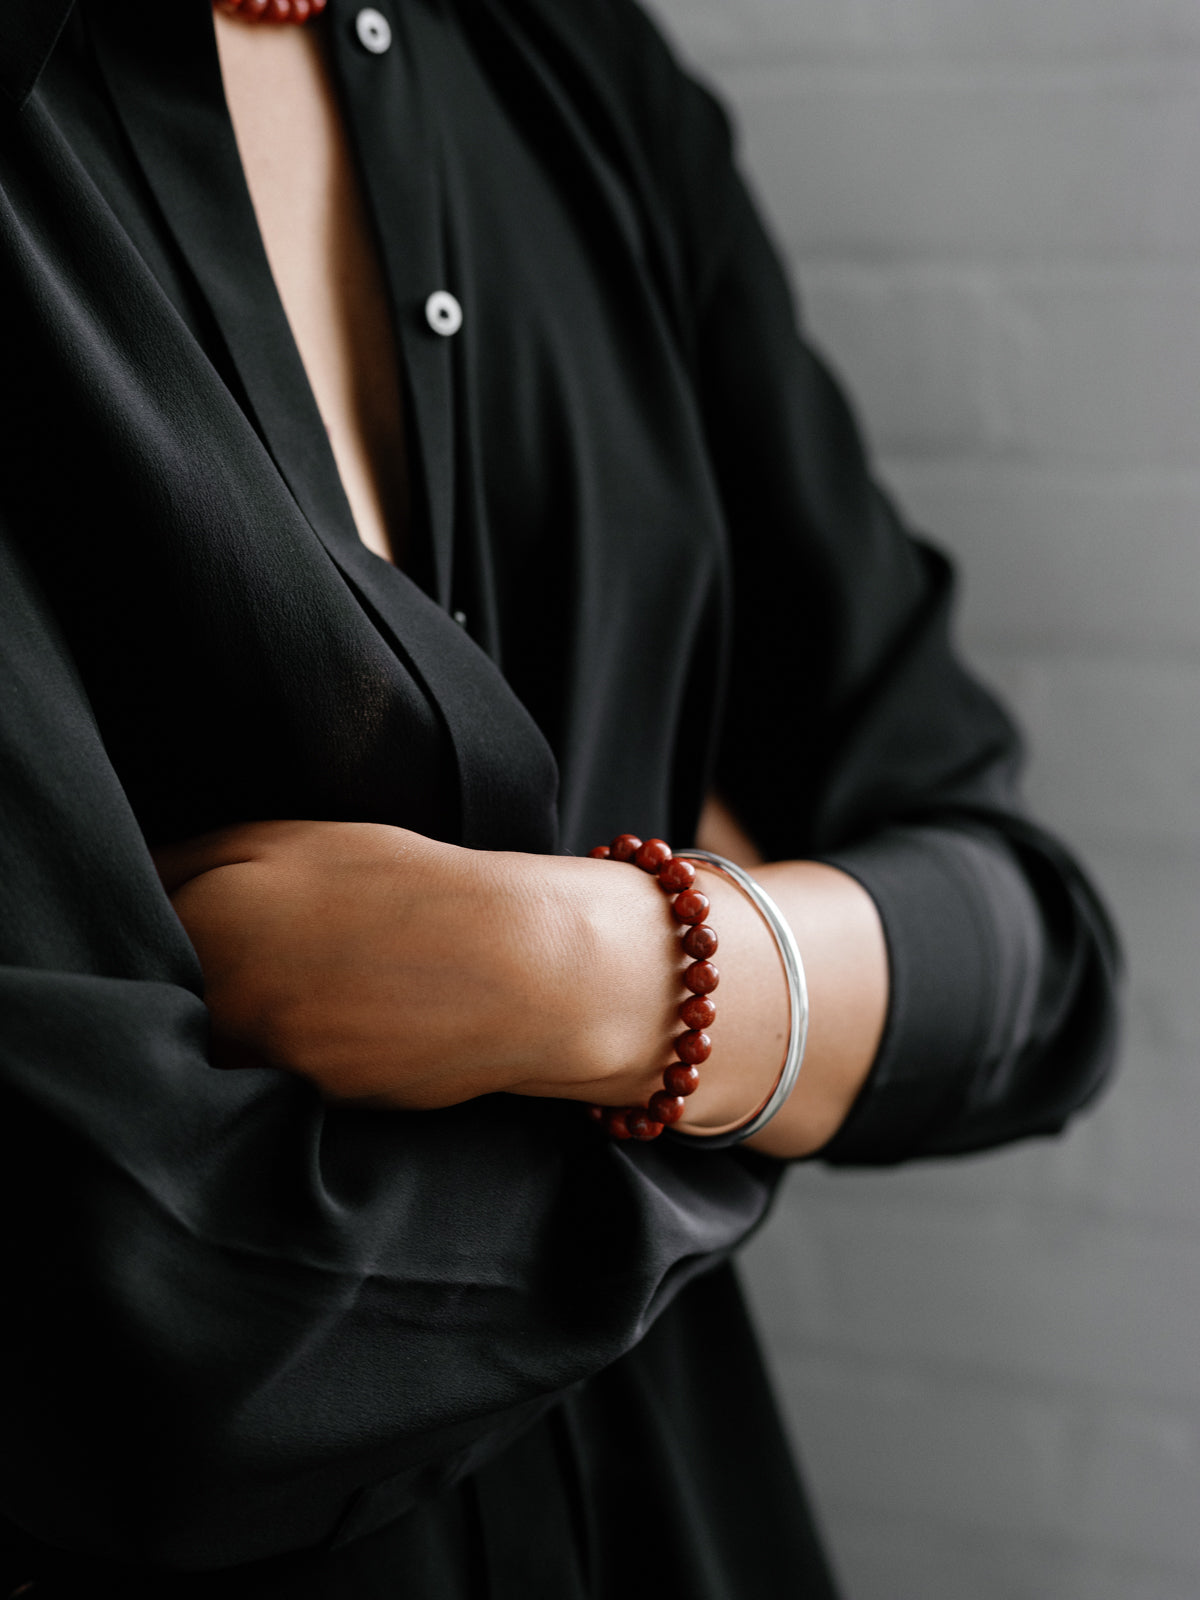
(993, 208)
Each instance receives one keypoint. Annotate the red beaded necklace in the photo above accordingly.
(272, 10)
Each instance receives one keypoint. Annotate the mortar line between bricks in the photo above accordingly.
(800, 252)
(1038, 650)
(976, 1374)
(1044, 1209)
(817, 60)
(1151, 851)
(1055, 1545)
(1164, 1227)
(791, 77)
(953, 271)
(1044, 472)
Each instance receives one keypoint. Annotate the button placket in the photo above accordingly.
(392, 130)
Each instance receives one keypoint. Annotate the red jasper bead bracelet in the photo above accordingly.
(676, 877)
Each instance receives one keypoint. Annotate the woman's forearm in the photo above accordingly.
(394, 970)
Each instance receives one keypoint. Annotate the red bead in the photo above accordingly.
(642, 1126)
(600, 853)
(625, 846)
(690, 906)
(681, 1080)
(318, 6)
(677, 874)
(652, 855)
(702, 977)
(693, 1047)
(597, 1113)
(667, 1107)
(698, 1012)
(700, 942)
(279, 11)
(617, 1126)
(301, 10)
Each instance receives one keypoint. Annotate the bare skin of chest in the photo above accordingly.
(318, 241)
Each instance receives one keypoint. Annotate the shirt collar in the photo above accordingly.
(28, 32)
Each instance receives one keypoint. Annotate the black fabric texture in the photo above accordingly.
(261, 1345)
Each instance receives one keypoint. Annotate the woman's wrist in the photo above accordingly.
(601, 979)
(675, 1100)
(838, 927)
(840, 935)
(594, 966)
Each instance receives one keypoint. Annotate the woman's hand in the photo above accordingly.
(392, 969)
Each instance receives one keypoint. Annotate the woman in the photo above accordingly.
(412, 435)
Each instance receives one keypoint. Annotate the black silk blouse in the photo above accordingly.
(255, 1343)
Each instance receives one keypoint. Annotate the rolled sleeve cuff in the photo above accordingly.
(961, 931)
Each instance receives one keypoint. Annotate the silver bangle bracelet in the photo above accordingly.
(793, 967)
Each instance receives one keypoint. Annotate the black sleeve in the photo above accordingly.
(851, 731)
(230, 1305)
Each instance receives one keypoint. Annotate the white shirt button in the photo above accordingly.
(373, 30)
(443, 313)
(461, 618)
